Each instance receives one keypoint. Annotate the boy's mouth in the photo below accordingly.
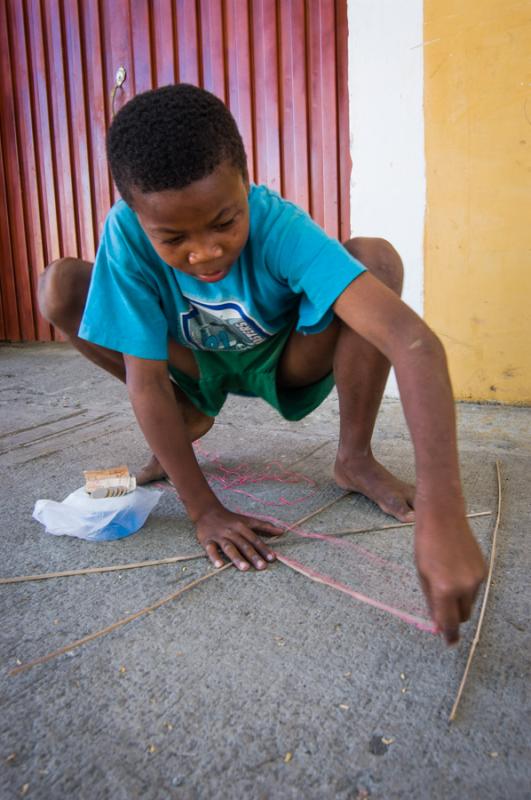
(212, 277)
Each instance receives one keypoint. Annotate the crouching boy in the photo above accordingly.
(205, 284)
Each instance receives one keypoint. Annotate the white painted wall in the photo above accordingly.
(387, 132)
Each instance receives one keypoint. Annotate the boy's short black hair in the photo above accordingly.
(169, 137)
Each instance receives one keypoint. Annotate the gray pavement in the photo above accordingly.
(250, 685)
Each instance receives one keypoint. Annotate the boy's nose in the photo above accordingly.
(204, 254)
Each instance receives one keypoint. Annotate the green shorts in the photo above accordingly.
(252, 373)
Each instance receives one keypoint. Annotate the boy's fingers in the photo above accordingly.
(252, 546)
(427, 593)
(451, 634)
(232, 552)
(447, 618)
(266, 528)
(465, 606)
(212, 552)
(250, 536)
(253, 549)
(263, 549)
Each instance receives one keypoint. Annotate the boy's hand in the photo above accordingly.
(451, 568)
(220, 531)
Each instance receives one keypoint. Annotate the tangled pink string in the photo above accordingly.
(233, 478)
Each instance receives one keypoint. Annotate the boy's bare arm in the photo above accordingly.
(162, 424)
(449, 561)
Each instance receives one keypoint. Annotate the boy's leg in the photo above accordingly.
(63, 289)
(360, 372)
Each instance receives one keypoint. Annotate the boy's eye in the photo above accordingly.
(175, 240)
(222, 226)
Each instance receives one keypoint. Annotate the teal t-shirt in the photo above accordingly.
(289, 269)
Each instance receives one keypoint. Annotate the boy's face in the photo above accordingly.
(201, 229)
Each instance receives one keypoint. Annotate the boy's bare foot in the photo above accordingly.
(197, 425)
(368, 477)
(152, 471)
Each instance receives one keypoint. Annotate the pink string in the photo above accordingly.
(418, 622)
(233, 478)
(415, 610)
(347, 545)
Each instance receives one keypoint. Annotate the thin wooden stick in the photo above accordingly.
(137, 564)
(314, 513)
(475, 640)
(118, 624)
(162, 601)
(400, 525)
(43, 576)
(93, 570)
(148, 609)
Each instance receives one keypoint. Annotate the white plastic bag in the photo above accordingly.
(96, 520)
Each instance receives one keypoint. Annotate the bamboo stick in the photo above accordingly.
(314, 513)
(138, 564)
(146, 610)
(475, 640)
(399, 525)
(96, 634)
(174, 559)
(94, 570)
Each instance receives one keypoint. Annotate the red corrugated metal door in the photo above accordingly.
(280, 65)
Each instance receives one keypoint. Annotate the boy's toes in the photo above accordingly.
(370, 478)
(399, 508)
(152, 471)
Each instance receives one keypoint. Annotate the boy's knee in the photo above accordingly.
(380, 258)
(62, 292)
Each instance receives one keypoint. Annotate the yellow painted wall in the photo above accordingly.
(477, 78)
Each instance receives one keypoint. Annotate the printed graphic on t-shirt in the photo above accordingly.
(220, 326)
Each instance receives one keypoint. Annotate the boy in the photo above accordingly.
(205, 285)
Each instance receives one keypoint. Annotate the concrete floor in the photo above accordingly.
(252, 685)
